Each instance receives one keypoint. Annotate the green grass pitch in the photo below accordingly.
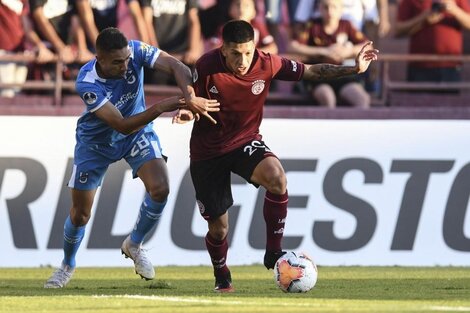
(189, 289)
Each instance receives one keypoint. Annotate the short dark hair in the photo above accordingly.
(238, 31)
(111, 38)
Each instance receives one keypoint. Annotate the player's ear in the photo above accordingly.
(99, 56)
(223, 49)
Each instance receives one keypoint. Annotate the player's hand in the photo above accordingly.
(365, 56)
(203, 106)
(183, 116)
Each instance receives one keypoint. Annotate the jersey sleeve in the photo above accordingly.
(143, 54)
(285, 69)
(199, 79)
(92, 95)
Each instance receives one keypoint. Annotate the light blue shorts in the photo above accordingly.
(92, 160)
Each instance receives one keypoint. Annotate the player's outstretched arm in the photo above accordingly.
(325, 71)
(183, 77)
(128, 125)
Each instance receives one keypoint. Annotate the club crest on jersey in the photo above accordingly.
(90, 97)
(195, 76)
(130, 78)
(258, 87)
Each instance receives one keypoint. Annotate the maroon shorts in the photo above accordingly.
(212, 178)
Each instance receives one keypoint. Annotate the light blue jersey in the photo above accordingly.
(99, 145)
(126, 94)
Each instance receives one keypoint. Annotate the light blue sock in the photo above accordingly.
(149, 215)
(72, 238)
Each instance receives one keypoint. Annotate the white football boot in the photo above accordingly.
(142, 264)
(60, 277)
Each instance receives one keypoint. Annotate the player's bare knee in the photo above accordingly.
(159, 193)
(79, 217)
(277, 184)
(220, 233)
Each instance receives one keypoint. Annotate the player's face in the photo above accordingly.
(113, 64)
(238, 56)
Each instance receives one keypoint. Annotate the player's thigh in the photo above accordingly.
(154, 175)
(212, 183)
(270, 174)
(257, 164)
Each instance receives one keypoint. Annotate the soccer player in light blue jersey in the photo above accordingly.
(116, 124)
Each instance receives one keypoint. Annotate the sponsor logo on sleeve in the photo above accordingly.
(294, 66)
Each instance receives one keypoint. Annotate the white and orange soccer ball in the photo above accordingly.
(295, 272)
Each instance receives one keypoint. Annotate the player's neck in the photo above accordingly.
(99, 71)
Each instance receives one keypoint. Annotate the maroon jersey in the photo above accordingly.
(11, 12)
(317, 36)
(444, 37)
(241, 100)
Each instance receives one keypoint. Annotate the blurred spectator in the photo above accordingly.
(14, 21)
(212, 16)
(275, 19)
(246, 10)
(369, 16)
(55, 23)
(330, 39)
(358, 12)
(96, 15)
(173, 26)
(434, 27)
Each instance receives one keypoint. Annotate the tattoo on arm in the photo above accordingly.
(328, 71)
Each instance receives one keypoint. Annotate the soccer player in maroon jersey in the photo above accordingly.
(238, 75)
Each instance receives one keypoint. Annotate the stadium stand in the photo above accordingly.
(397, 98)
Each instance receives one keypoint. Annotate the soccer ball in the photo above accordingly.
(295, 272)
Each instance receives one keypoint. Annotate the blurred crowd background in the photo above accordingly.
(35, 34)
